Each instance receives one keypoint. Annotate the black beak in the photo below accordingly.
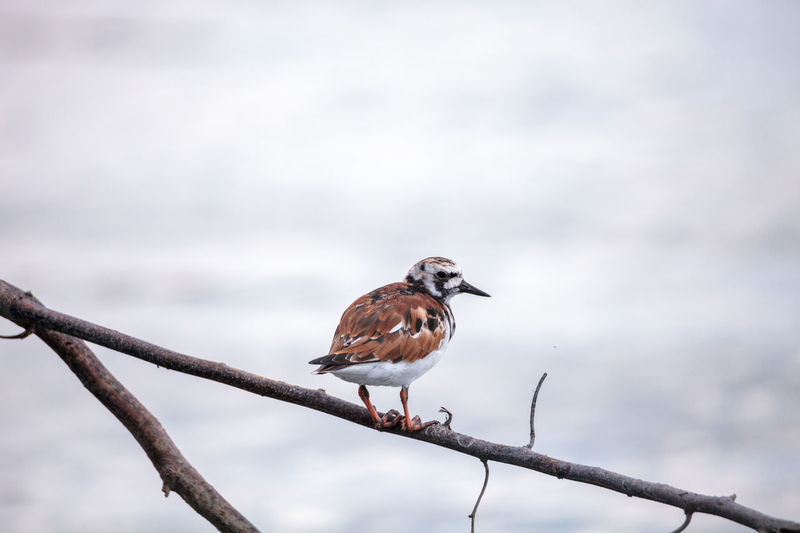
(471, 289)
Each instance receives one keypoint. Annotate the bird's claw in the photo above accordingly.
(389, 420)
(417, 424)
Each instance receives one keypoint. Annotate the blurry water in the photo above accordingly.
(224, 179)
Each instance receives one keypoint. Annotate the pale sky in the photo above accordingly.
(225, 178)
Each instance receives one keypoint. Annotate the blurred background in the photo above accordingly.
(224, 178)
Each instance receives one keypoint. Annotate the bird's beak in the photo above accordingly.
(471, 289)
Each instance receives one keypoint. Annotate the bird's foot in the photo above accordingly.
(389, 420)
(416, 424)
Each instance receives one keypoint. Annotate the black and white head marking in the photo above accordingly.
(438, 276)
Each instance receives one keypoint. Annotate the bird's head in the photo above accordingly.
(441, 278)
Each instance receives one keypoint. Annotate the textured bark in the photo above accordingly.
(176, 472)
(27, 312)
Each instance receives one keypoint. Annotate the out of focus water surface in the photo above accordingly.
(224, 179)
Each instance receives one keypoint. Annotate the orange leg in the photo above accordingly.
(412, 424)
(390, 419)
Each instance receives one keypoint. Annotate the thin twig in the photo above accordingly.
(533, 409)
(480, 496)
(446, 423)
(20, 335)
(26, 312)
(685, 522)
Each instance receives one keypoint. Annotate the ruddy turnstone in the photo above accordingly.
(394, 334)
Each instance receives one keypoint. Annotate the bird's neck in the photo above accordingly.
(431, 288)
(437, 293)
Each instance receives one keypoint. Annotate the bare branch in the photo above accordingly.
(26, 312)
(533, 409)
(176, 472)
(685, 522)
(480, 496)
(446, 423)
(21, 335)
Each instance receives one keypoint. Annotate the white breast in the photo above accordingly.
(390, 374)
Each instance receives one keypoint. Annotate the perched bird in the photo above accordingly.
(396, 333)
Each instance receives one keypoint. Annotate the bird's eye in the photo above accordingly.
(441, 274)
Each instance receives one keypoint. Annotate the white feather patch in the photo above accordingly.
(389, 374)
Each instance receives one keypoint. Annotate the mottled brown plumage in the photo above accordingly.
(392, 323)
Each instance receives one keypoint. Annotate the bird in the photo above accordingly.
(394, 334)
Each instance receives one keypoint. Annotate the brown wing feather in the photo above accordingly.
(388, 324)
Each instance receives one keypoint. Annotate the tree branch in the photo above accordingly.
(685, 524)
(533, 410)
(176, 472)
(27, 312)
(480, 496)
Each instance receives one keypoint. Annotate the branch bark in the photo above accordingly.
(176, 472)
(24, 310)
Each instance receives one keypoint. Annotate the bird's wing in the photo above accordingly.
(392, 323)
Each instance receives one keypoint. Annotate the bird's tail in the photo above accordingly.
(324, 363)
